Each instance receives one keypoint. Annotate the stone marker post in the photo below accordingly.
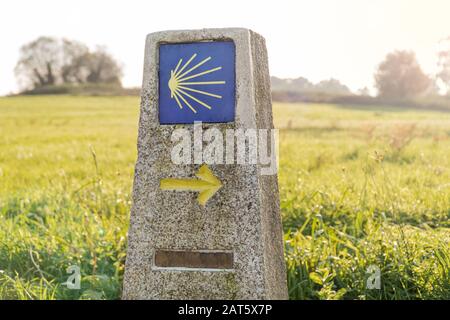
(205, 222)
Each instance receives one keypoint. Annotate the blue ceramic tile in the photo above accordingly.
(197, 82)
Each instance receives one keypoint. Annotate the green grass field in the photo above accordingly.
(359, 187)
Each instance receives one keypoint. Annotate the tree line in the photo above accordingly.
(49, 61)
(398, 77)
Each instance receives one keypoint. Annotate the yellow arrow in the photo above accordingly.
(207, 184)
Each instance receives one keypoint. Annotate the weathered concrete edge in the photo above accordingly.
(274, 263)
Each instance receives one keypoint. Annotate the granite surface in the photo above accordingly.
(242, 217)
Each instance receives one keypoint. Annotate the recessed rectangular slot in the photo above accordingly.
(193, 259)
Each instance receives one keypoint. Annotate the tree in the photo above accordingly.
(400, 76)
(72, 51)
(364, 91)
(93, 67)
(40, 62)
(444, 64)
(49, 61)
(332, 86)
(102, 68)
(298, 84)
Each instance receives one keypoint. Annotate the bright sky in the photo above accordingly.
(316, 39)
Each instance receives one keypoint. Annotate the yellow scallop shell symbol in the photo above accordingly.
(179, 83)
